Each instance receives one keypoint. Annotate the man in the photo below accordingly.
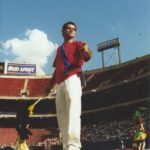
(68, 62)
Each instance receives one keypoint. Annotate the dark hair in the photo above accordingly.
(66, 24)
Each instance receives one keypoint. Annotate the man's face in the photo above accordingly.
(69, 31)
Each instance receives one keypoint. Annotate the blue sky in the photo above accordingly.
(30, 30)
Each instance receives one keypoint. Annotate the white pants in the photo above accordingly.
(68, 107)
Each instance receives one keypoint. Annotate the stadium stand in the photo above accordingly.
(108, 102)
(11, 86)
(9, 135)
(34, 87)
(119, 73)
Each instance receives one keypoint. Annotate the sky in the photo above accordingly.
(30, 30)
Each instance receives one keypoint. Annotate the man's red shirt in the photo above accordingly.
(75, 57)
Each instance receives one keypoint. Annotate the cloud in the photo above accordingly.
(35, 48)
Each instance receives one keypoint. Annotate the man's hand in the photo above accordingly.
(87, 52)
(47, 90)
(51, 84)
(85, 48)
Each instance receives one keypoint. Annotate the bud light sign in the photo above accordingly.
(21, 69)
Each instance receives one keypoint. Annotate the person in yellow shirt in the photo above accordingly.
(22, 127)
(140, 133)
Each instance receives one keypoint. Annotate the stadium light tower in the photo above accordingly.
(114, 43)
